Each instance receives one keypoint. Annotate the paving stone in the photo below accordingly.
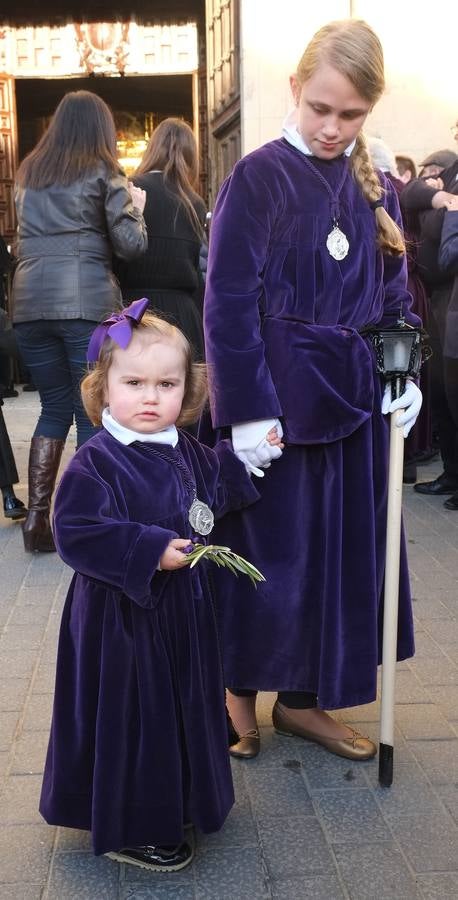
(224, 874)
(29, 753)
(4, 762)
(324, 770)
(73, 839)
(13, 692)
(82, 875)
(431, 607)
(406, 772)
(276, 750)
(20, 800)
(38, 713)
(239, 830)
(315, 887)
(350, 815)
(422, 721)
(446, 700)
(133, 875)
(438, 886)
(409, 689)
(448, 793)
(443, 632)
(21, 637)
(21, 891)
(31, 613)
(439, 759)
(403, 800)
(375, 870)
(435, 671)
(154, 891)
(281, 790)
(370, 712)
(294, 845)
(19, 662)
(8, 725)
(25, 852)
(45, 676)
(429, 842)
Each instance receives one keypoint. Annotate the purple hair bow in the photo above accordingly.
(118, 327)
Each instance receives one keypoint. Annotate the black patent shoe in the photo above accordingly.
(444, 484)
(452, 502)
(13, 508)
(157, 859)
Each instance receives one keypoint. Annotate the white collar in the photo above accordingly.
(126, 436)
(291, 134)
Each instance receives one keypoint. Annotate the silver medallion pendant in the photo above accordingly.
(201, 517)
(337, 243)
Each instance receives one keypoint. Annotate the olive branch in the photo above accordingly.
(225, 558)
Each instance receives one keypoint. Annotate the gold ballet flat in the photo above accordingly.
(355, 747)
(247, 746)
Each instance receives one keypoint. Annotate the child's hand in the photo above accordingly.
(173, 557)
(273, 439)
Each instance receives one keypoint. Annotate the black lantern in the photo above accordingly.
(399, 352)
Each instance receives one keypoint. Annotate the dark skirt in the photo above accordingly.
(8, 470)
(318, 536)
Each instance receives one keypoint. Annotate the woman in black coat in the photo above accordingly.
(13, 508)
(168, 272)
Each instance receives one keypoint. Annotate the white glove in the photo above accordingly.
(252, 448)
(410, 401)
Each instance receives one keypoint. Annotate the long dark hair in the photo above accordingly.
(81, 134)
(173, 150)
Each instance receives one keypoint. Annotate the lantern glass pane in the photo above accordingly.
(397, 348)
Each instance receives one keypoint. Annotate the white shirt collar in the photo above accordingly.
(126, 436)
(291, 134)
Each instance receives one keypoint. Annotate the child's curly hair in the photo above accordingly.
(94, 384)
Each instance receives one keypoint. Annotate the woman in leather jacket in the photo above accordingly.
(75, 208)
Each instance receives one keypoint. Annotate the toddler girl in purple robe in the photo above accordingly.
(306, 254)
(138, 745)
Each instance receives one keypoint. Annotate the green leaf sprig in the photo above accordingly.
(225, 557)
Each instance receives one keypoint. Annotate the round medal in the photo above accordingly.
(337, 243)
(201, 517)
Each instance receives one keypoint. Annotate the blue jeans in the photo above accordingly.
(54, 352)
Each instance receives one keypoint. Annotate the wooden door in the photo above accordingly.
(8, 157)
(223, 68)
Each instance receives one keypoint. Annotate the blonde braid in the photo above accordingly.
(389, 237)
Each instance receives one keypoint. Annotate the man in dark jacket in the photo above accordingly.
(428, 197)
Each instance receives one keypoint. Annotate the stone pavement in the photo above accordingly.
(306, 825)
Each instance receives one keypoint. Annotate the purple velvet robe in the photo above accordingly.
(138, 743)
(282, 323)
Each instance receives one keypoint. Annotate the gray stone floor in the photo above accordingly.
(306, 824)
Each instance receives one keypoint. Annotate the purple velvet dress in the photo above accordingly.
(138, 742)
(283, 322)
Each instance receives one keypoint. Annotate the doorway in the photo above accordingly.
(138, 102)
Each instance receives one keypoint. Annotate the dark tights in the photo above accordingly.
(290, 699)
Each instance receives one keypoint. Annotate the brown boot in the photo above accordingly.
(44, 459)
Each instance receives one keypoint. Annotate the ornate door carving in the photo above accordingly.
(223, 66)
(8, 157)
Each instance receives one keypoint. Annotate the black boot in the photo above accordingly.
(452, 502)
(44, 459)
(12, 507)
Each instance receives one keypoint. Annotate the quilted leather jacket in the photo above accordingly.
(67, 235)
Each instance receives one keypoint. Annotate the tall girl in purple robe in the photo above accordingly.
(305, 255)
(138, 745)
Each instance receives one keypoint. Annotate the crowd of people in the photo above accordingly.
(317, 237)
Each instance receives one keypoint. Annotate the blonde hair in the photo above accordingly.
(353, 49)
(94, 384)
